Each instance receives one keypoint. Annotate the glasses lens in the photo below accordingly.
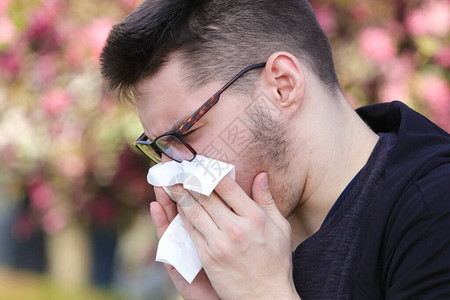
(149, 151)
(174, 148)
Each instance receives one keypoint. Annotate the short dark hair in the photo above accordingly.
(214, 40)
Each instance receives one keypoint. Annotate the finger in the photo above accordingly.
(169, 206)
(262, 196)
(234, 196)
(215, 207)
(201, 281)
(159, 218)
(193, 211)
(197, 237)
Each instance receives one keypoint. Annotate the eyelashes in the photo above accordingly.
(190, 132)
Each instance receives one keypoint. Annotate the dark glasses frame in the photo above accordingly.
(142, 142)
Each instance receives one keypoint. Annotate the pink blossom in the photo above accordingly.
(54, 220)
(71, 165)
(436, 92)
(443, 57)
(75, 52)
(377, 44)
(397, 74)
(11, 63)
(42, 33)
(56, 129)
(9, 157)
(41, 194)
(97, 32)
(432, 18)
(7, 30)
(4, 5)
(417, 22)
(327, 18)
(400, 68)
(394, 90)
(55, 101)
(45, 69)
(56, 5)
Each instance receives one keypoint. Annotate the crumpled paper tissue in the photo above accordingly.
(201, 175)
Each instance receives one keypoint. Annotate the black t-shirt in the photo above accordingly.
(389, 237)
(323, 262)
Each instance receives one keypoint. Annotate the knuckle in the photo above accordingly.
(194, 212)
(220, 251)
(207, 258)
(257, 218)
(236, 233)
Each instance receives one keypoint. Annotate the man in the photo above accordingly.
(361, 198)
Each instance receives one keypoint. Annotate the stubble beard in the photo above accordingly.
(270, 150)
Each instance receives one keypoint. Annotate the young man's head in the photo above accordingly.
(170, 56)
(214, 39)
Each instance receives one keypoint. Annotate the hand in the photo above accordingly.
(244, 245)
(163, 212)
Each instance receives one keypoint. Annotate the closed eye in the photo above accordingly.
(190, 132)
(196, 127)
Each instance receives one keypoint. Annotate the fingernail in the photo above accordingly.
(264, 182)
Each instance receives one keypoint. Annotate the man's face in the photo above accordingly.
(225, 133)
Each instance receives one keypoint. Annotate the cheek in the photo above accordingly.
(216, 149)
(228, 141)
(213, 146)
(245, 178)
(227, 136)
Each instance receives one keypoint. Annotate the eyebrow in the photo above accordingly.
(175, 125)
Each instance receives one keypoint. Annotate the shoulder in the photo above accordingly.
(424, 202)
(434, 187)
(417, 242)
(427, 193)
(405, 240)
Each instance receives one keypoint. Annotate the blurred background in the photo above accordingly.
(74, 221)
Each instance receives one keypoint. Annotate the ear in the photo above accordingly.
(284, 80)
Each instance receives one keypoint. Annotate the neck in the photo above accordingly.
(345, 144)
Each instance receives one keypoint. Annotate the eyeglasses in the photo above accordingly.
(172, 143)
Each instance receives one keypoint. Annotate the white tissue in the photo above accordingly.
(201, 175)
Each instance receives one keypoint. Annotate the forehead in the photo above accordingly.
(167, 98)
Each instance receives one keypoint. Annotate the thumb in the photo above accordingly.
(263, 197)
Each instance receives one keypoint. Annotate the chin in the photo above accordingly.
(283, 194)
